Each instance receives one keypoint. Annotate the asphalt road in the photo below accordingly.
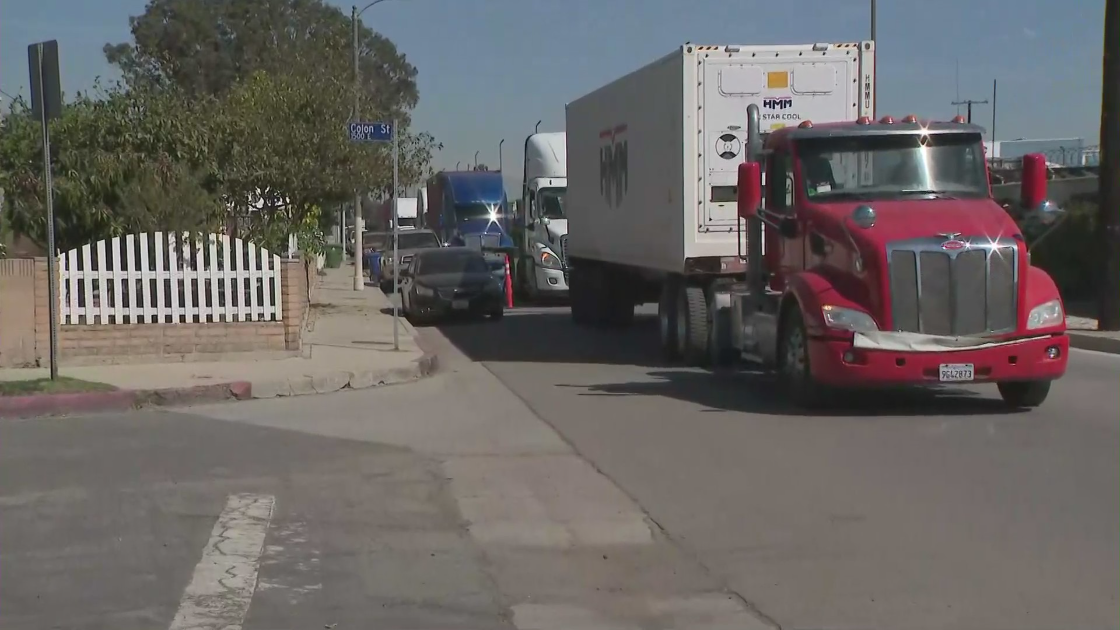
(913, 510)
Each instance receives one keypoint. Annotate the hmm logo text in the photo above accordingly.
(614, 170)
(777, 102)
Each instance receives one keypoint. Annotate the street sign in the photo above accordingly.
(371, 132)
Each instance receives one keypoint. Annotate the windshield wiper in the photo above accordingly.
(932, 193)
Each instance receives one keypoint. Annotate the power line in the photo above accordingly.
(969, 103)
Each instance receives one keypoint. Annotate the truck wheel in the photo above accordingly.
(667, 319)
(692, 325)
(578, 297)
(794, 370)
(617, 298)
(1024, 394)
(720, 352)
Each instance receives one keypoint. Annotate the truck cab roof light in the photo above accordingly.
(910, 119)
(863, 120)
(806, 124)
(958, 119)
(886, 120)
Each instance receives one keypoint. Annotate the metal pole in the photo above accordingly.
(52, 253)
(476, 160)
(503, 141)
(396, 238)
(995, 83)
(359, 281)
(537, 129)
(874, 18)
(457, 164)
(1108, 221)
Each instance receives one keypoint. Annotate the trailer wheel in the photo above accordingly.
(578, 297)
(617, 298)
(794, 370)
(667, 319)
(1024, 394)
(692, 325)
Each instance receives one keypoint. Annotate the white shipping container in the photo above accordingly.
(653, 157)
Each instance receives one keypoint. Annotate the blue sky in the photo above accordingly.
(490, 69)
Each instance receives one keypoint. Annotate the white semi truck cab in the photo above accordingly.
(541, 226)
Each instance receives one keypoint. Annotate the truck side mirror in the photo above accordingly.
(750, 189)
(1032, 192)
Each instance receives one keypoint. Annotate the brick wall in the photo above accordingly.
(116, 343)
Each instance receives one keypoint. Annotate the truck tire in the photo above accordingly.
(579, 298)
(692, 325)
(721, 354)
(618, 298)
(667, 318)
(794, 370)
(1024, 394)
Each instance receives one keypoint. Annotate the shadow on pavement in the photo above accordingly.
(757, 392)
(549, 336)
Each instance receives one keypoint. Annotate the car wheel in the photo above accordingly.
(794, 370)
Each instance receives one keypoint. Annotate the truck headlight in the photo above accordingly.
(424, 291)
(549, 260)
(1046, 315)
(840, 318)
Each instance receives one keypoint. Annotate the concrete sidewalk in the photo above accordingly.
(347, 343)
(1084, 334)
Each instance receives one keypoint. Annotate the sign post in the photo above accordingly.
(380, 132)
(46, 105)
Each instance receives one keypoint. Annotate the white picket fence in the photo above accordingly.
(169, 278)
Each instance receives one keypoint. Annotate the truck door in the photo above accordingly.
(783, 256)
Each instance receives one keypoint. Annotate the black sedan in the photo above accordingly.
(451, 281)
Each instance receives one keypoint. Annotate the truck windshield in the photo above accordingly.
(552, 202)
(416, 240)
(478, 211)
(948, 165)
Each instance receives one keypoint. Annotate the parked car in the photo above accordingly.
(451, 281)
(379, 253)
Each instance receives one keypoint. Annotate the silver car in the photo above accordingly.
(410, 242)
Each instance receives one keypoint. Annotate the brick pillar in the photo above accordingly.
(42, 313)
(293, 300)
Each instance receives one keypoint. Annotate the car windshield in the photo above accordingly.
(459, 262)
(476, 211)
(376, 240)
(552, 202)
(415, 240)
(948, 165)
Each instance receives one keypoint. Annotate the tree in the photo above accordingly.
(480, 167)
(114, 158)
(206, 46)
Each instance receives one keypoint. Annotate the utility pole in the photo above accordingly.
(359, 278)
(1108, 221)
(995, 84)
(969, 103)
(503, 141)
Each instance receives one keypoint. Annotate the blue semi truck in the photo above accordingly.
(469, 208)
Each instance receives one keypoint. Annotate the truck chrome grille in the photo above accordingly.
(968, 291)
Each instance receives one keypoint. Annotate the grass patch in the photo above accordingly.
(46, 386)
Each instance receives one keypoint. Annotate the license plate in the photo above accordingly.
(957, 372)
(460, 305)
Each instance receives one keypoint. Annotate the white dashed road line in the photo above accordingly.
(221, 589)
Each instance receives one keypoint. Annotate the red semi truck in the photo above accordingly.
(887, 262)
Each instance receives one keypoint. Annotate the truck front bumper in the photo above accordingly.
(551, 281)
(839, 363)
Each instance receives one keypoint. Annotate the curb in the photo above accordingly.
(331, 382)
(1095, 341)
(120, 400)
(64, 404)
